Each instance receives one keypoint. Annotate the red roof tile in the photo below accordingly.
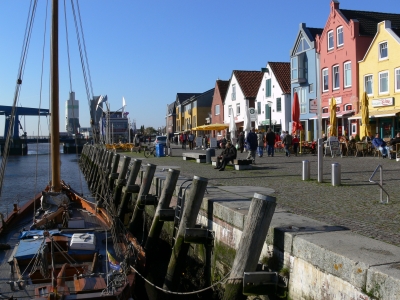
(281, 71)
(249, 82)
(222, 87)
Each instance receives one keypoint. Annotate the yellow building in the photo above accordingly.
(193, 111)
(379, 76)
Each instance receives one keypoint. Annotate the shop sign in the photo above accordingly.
(382, 102)
(313, 106)
(338, 100)
(253, 115)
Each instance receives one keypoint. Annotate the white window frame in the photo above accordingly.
(294, 64)
(217, 111)
(325, 108)
(372, 84)
(233, 92)
(338, 35)
(397, 80)
(345, 75)
(380, 47)
(330, 35)
(379, 83)
(238, 109)
(335, 83)
(229, 110)
(353, 128)
(346, 107)
(311, 88)
(325, 72)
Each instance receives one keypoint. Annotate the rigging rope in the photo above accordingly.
(27, 37)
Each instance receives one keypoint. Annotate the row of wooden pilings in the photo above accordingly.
(113, 179)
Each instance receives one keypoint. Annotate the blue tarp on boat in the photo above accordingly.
(31, 233)
(28, 248)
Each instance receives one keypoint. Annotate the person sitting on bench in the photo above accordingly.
(227, 155)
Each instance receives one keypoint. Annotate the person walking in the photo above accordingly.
(191, 140)
(287, 142)
(270, 137)
(251, 140)
(260, 144)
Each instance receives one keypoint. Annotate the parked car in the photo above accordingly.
(160, 139)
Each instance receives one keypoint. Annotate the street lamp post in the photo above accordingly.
(269, 105)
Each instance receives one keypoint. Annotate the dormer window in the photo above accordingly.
(339, 34)
(233, 92)
(383, 51)
(330, 40)
(299, 68)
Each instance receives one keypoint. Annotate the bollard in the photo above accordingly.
(209, 153)
(306, 170)
(336, 174)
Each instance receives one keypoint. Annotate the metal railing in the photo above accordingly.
(380, 184)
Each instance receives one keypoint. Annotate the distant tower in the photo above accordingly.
(72, 114)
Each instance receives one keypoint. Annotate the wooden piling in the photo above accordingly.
(113, 174)
(255, 231)
(180, 249)
(144, 190)
(130, 188)
(163, 203)
(121, 181)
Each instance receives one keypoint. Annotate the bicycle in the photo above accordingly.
(150, 151)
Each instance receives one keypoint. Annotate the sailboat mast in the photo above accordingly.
(54, 100)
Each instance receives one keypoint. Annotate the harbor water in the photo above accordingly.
(28, 175)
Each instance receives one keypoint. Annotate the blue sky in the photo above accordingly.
(147, 51)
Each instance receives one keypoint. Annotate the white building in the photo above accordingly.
(273, 101)
(241, 93)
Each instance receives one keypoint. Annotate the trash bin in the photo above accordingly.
(160, 150)
(210, 152)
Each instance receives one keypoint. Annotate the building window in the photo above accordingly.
(335, 77)
(384, 82)
(325, 110)
(238, 109)
(311, 88)
(325, 79)
(339, 34)
(268, 88)
(233, 91)
(353, 128)
(348, 107)
(397, 80)
(330, 40)
(347, 74)
(267, 113)
(383, 51)
(337, 108)
(302, 45)
(294, 68)
(302, 93)
(229, 110)
(217, 109)
(259, 108)
(368, 84)
(278, 104)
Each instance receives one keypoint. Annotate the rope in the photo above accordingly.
(181, 293)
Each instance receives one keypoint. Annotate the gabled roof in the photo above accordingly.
(180, 97)
(315, 31)
(223, 86)
(368, 20)
(171, 108)
(249, 82)
(281, 71)
(203, 99)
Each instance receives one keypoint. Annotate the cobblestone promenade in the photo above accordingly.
(354, 204)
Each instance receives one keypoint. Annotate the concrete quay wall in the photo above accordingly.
(321, 261)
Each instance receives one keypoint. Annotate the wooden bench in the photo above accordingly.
(200, 158)
(239, 164)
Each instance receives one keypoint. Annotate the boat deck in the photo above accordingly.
(9, 277)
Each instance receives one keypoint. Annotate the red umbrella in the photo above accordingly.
(296, 125)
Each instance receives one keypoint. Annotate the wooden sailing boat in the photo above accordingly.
(64, 253)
